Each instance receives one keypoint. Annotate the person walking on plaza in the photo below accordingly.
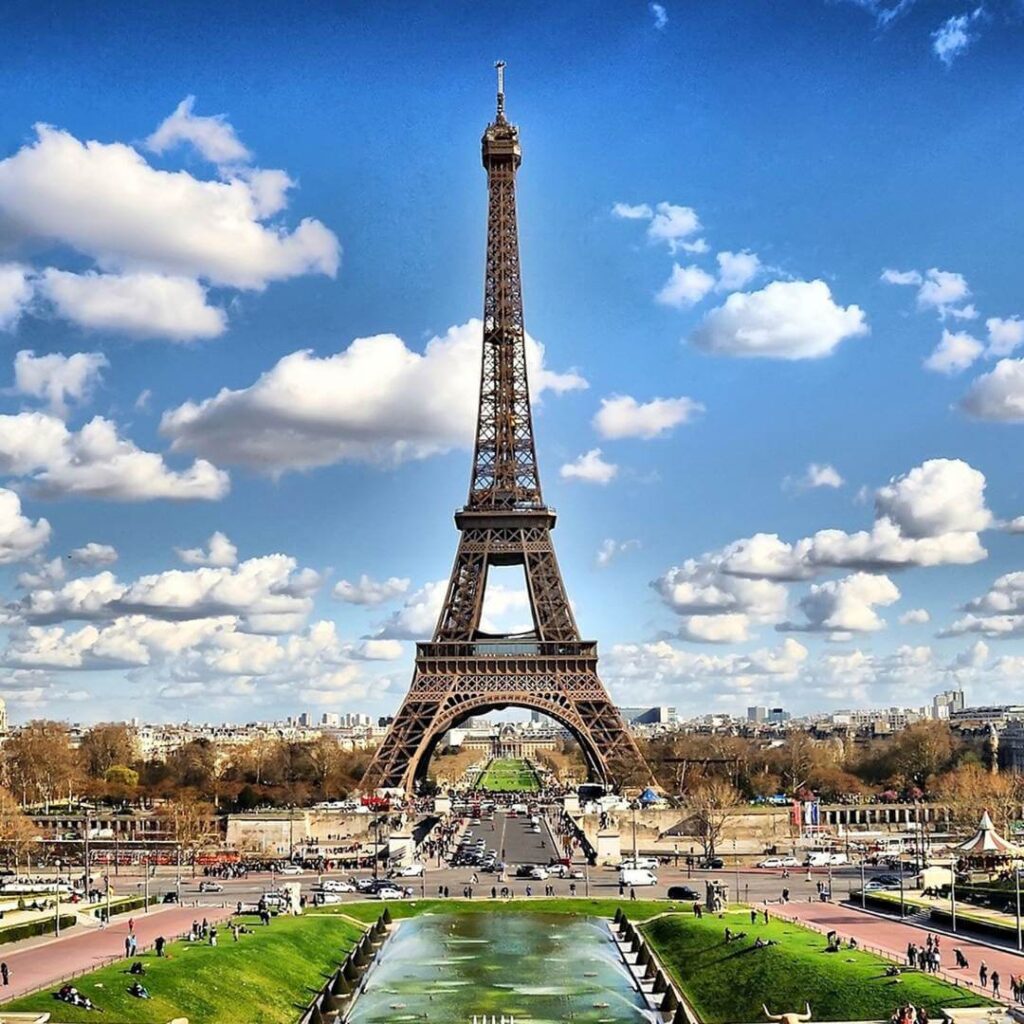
(5, 974)
(995, 984)
(127, 945)
(632, 894)
(753, 916)
(983, 974)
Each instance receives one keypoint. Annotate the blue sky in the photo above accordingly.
(771, 267)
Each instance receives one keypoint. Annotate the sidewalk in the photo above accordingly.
(47, 961)
(894, 936)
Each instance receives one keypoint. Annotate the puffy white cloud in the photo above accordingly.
(94, 554)
(998, 613)
(915, 617)
(955, 352)
(659, 14)
(267, 595)
(954, 36)
(212, 136)
(651, 668)
(219, 552)
(891, 276)
(673, 225)
(367, 591)
(417, 617)
(591, 468)
(938, 497)
(611, 549)
(784, 320)
(20, 538)
(143, 305)
(58, 379)
(376, 401)
(944, 291)
(736, 270)
(1005, 336)
(846, 605)
(45, 574)
(95, 462)
(685, 287)
(623, 416)
(627, 211)
(998, 394)
(15, 293)
(92, 196)
(817, 474)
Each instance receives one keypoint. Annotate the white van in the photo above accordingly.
(821, 859)
(637, 876)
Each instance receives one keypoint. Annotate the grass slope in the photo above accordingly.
(264, 978)
(729, 982)
(509, 775)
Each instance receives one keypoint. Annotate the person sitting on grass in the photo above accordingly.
(138, 990)
(137, 968)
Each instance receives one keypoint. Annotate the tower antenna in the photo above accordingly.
(500, 68)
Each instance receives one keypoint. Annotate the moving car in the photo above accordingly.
(169, 897)
(779, 862)
(206, 886)
(683, 892)
(411, 871)
(637, 876)
(534, 872)
(290, 869)
(714, 863)
(390, 892)
(335, 885)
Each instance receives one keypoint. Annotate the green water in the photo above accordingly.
(539, 968)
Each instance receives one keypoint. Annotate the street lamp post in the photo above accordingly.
(903, 910)
(863, 898)
(177, 879)
(56, 920)
(106, 885)
(145, 906)
(952, 892)
(1016, 878)
(633, 808)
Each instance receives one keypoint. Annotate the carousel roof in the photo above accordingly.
(988, 842)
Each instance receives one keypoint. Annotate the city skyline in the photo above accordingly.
(203, 419)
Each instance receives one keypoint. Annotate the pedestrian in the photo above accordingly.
(494, 892)
(753, 916)
(911, 955)
(159, 944)
(131, 924)
(572, 889)
(622, 887)
(995, 984)
(765, 915)
(5, 973)
(632, 894)
(983, 974)
(127, 945)
(213, 935)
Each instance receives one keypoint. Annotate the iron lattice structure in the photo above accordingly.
(463, 671)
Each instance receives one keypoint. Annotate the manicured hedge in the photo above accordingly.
(123, 906)
(28, 930)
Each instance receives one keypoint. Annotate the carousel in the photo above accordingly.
(987, 850)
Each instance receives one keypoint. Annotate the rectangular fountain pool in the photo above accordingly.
(537, 968)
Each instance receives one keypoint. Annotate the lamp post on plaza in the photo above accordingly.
(952, 891)
(145, 906)
(56, 920)
(1016, 880)
(862, 896)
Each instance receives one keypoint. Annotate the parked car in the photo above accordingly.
(714, 863)
(207, 886)
(683, 892)
(778, 862)
(290, 869)
(643, 863)
(169, 897)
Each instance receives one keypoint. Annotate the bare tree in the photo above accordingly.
(712, 803)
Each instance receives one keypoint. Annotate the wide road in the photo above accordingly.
(510, 837)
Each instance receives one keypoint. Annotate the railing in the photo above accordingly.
(508, 648)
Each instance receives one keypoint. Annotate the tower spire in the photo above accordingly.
(499, 66)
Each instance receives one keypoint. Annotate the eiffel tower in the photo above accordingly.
(464, 671)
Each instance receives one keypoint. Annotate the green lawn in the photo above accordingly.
(509, 775)
(641, 910)
(728, 982)
(264, 978)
